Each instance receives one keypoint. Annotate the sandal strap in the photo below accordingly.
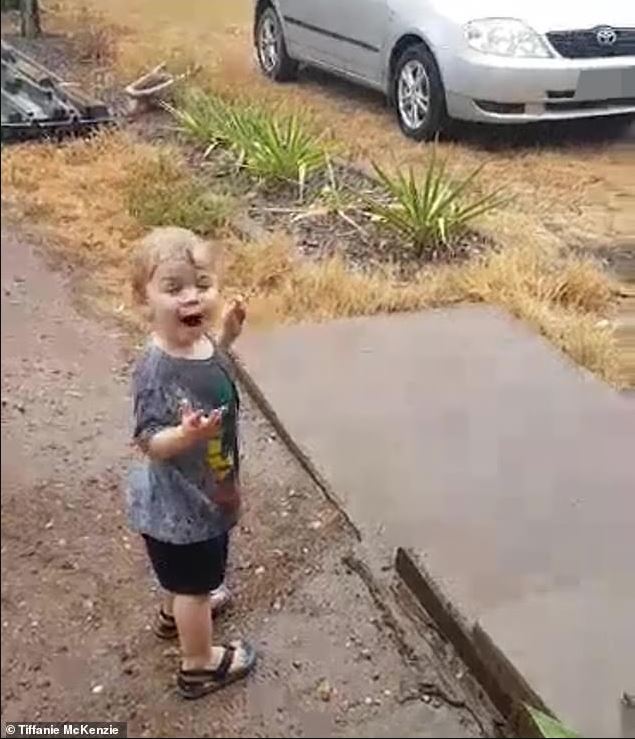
(220, 673)
(166, 616)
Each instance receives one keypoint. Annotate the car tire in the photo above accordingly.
(417, 71)
(271, 48)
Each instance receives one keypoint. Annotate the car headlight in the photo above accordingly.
(505, 37)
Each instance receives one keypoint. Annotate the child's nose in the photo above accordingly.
(189, 295)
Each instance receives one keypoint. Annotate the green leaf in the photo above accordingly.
(550, 727)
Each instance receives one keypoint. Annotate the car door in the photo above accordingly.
(357, 32)
(303, 35)
(344, 34)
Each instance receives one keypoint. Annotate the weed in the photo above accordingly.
(550, 727)
(428, 212)
(271, 146)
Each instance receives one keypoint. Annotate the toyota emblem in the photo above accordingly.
(606, 36)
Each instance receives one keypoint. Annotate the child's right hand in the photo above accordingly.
(196, 426)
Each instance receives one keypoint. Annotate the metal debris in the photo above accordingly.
(37, 103)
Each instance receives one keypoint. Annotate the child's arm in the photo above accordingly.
(232, 322)
(174, 440)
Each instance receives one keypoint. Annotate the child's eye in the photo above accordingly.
(203, 283)
(172, 288)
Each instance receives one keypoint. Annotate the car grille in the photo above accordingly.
(588, 44)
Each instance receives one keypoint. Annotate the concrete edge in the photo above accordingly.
(267, 410)
(505, 686)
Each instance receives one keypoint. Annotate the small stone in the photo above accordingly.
(292, 493)
(376, 676)
(387, 693)
(260, 570)
(315, 525)
(368, 700)
(277, 604)
(297, 664)
(425, 698)
(436, 703)
(324, 690)
(366, 654)
(97, 689)
(49, 524)
(170, 652)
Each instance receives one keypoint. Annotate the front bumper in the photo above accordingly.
(481, 87)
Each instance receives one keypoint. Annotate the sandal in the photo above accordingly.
(193, 684)
(165, 625)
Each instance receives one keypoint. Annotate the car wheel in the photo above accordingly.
(271, 48)
(418, 94)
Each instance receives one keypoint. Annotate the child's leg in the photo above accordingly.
(195, 631)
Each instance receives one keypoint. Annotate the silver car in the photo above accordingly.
(502, 61)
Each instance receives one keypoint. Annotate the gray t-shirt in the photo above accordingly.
(173, 500)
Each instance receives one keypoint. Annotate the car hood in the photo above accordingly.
(544, 15)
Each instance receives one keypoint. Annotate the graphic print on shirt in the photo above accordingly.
(220, 450)
(220, 459)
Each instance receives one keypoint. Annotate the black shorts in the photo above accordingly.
(189, 569)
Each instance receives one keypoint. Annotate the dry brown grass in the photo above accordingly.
(80, 188)
(95, 39)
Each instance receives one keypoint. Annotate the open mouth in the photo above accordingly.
(193, 321)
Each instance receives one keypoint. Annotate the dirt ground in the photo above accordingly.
(338, 658)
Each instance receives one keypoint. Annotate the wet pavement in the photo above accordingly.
(462, 434)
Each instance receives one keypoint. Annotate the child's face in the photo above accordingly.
(183, 298)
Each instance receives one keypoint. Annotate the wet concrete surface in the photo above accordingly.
(462, 434)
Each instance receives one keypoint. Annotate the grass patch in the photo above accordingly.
(271, 146)
(160, 193)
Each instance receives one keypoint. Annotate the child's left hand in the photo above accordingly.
(232, 320)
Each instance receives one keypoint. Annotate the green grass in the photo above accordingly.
(271, 146)
(428, 212)
(161, 194)
(549, 727)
